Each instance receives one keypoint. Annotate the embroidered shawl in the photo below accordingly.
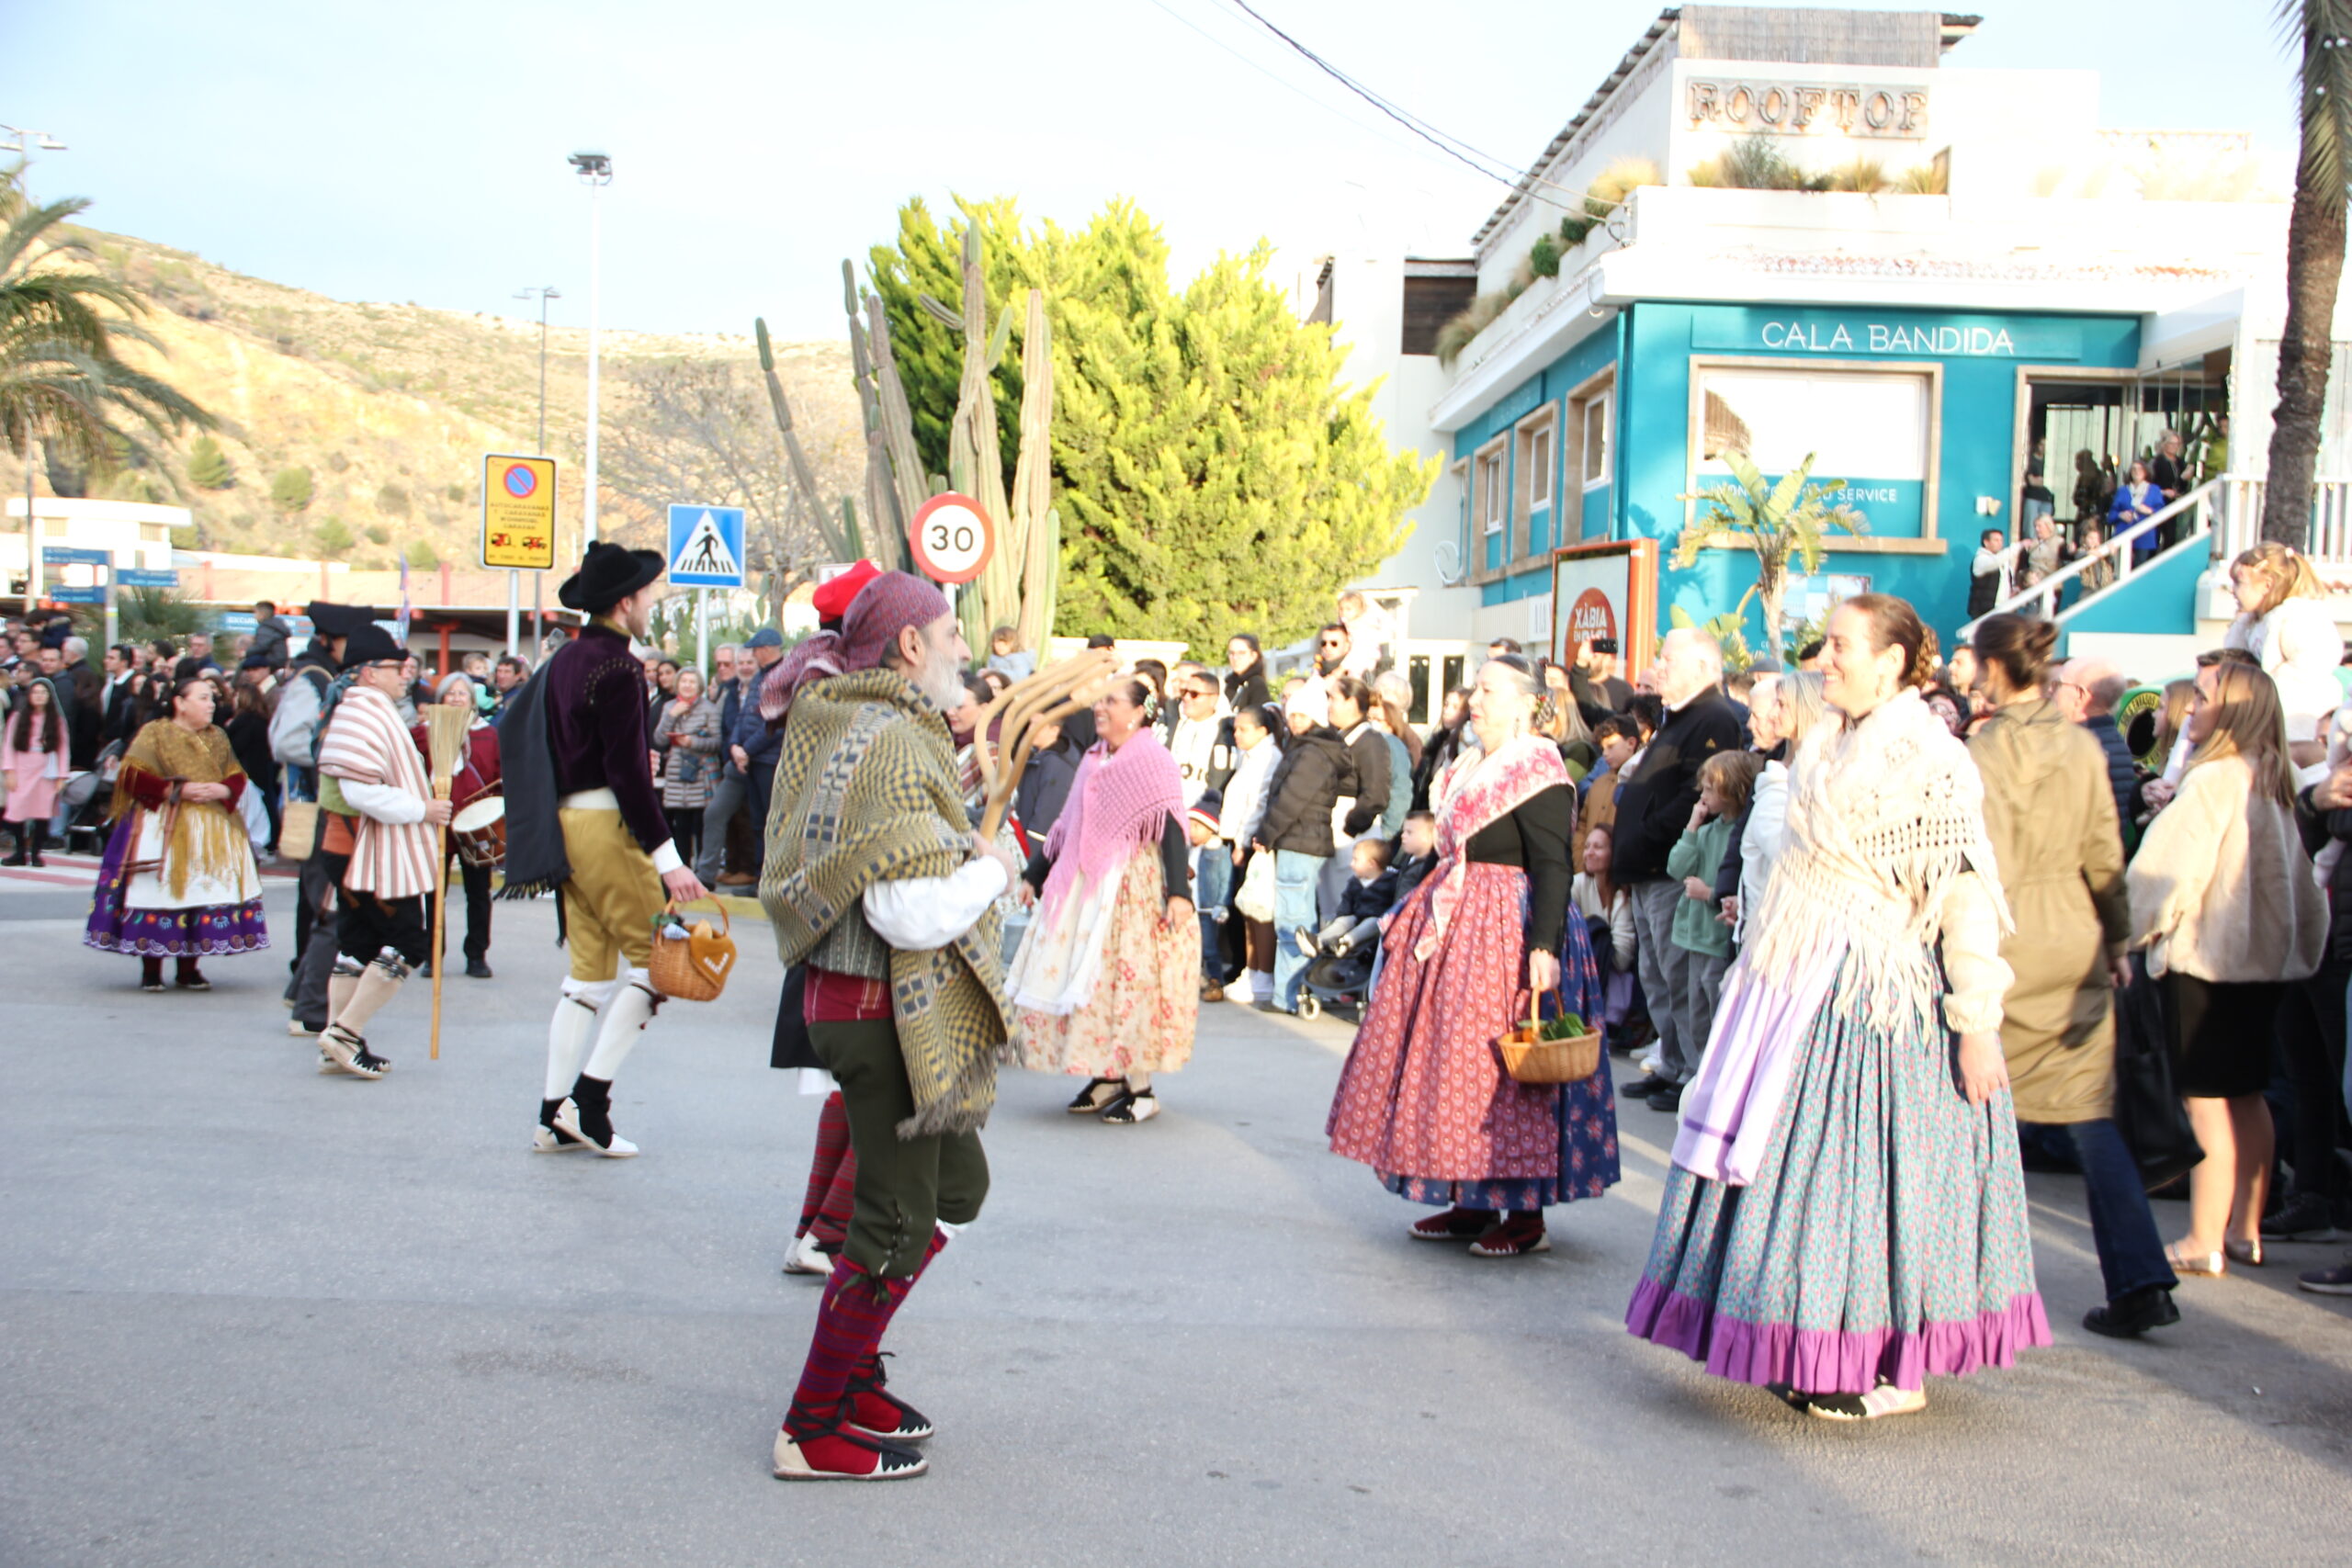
(201, 838)
(865, 793)
(366, 743)
(1118, 803)
(1474, 790)
(1884, 817)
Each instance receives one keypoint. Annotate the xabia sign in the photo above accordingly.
(1589, 618)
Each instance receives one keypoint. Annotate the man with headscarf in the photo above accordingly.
(575, 746)
(876, 881)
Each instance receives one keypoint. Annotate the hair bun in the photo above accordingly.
(2041, 641)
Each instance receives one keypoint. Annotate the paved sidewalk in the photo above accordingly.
(250, 1316)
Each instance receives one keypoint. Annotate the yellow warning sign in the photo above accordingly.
(517, 513)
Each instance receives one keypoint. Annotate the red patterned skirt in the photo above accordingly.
(1424, 1095)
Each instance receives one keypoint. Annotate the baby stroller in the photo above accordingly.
(1339, 969)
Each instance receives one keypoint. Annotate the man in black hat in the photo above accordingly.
(583, 719)
(313, 686)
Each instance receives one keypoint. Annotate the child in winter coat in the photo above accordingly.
(1726, 781)
(1416, 853)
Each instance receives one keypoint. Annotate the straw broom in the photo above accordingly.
(445, 736)
(1046, 697)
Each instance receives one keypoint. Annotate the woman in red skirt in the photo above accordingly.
(1424, 1099)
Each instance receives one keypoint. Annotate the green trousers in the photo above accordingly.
(904, 1185)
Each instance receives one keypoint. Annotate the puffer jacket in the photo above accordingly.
(1308, 783)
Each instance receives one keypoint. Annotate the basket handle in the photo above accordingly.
(1535, 1005)
(726, 925)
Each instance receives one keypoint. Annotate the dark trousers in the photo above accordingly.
(315, 965)
(904, 1185)
(686, 830)
(473, 882)
(2310, 1036)
(2130, 1252)
(762, 786)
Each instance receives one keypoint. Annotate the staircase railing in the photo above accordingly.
(2204, 508)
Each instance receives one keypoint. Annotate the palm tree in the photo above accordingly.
(1779, 522)
(63, 381)
(2314, 259)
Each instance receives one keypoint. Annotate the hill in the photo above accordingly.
(388, 408)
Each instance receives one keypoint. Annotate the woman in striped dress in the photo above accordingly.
(1846, 1215)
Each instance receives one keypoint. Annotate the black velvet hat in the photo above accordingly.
(370, 644)
(608, 573)
(337, 620)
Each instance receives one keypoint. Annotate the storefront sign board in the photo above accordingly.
(1606, 590)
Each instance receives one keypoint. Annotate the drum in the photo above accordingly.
(479, 831)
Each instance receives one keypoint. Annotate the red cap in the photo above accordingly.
(833, 599)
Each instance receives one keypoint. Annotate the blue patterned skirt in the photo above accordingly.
(207, 931)
(1884, 1236)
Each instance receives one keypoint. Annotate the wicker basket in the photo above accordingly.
(1530, 1058)
(694, 968)
(297, 830)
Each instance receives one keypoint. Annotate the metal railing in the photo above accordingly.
(2113, 564)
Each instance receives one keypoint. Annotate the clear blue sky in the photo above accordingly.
(416, 151)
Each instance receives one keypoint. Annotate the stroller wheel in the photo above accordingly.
(1310, 1007)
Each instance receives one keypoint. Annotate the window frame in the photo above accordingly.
(1928, 542)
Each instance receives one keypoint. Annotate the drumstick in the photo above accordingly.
(445, 736)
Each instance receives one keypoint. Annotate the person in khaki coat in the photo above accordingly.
(2050, 817)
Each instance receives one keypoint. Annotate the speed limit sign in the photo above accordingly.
(952, 538)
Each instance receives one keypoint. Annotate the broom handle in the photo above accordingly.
(440, 913)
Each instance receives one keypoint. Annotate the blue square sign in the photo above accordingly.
(705, 547)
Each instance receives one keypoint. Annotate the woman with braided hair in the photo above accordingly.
(1106, 979)
(1423, 1098)
(1846, 1215)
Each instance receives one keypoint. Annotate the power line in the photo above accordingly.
(1452, 146)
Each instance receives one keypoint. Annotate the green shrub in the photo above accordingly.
(391, 499)
(333, 538)
(208, 465)
(1543, 258)
(379, 535)
(421, 555)
(291, 491)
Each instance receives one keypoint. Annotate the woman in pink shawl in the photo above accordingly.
(1105, 981)
(1423, 1098)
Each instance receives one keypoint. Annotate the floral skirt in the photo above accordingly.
(209, 931)
(1424, 1099)
(1147, 998)
(1884, 1235)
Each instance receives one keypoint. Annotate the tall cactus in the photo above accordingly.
(1018, 587)
(837, 539)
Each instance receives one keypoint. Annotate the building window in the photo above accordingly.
(156, 533)
(1873, 429)
(1593, 415)
(1536, 461)
(1492, 490)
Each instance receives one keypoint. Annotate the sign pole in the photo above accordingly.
(702, 632)
(539, 615)
(514, 606)
(113, 620)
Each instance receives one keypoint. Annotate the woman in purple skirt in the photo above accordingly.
(178, 880)
(1846, 1215)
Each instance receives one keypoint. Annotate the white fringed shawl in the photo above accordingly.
(1885, 820)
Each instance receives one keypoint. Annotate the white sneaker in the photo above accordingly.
(805, 1256)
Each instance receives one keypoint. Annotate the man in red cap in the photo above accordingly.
(876, 883)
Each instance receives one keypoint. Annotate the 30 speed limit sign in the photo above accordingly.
(952, 538)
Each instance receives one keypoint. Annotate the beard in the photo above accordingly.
(940, 679)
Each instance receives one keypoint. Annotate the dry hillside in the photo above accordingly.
(389, 409)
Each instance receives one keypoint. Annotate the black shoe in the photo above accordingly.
(2129, 1316)
(1269, 1005)
(2304, 1217)
(22, 857)
(424, 970)
(476, 969)
(2335, 1281)
(1643, 1088)
(1667, 1098)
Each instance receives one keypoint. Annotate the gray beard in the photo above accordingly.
(941, 682)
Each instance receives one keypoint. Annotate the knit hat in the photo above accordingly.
(888, 605)
(1311, 700)
(833, 599)
(1205, 809)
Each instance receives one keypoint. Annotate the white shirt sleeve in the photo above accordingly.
(916, 914)
(385, 803)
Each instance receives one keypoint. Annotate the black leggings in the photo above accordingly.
(685, 827)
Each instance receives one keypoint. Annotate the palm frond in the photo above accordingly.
(2319, 32)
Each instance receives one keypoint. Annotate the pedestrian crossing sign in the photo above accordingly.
(705, 547)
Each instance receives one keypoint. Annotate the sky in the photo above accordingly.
(417, 151)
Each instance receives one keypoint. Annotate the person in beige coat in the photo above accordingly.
(2049, 815)
(2223, 900)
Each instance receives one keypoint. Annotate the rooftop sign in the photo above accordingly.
(1771, 107)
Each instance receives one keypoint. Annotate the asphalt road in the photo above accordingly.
(250, 1316)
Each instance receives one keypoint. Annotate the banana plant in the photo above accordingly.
(1789, 520)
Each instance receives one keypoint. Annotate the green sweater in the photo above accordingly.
(1699, 854)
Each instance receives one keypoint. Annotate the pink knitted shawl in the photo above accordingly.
(1117, 804)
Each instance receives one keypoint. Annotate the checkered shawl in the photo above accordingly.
(865, 793)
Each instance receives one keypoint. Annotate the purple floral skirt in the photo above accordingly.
(204, 932)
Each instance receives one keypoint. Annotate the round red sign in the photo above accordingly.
(952, 538)
(1590, 617)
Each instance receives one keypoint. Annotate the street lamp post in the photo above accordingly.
(595, 172)
(539, 579)
(23, 144)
